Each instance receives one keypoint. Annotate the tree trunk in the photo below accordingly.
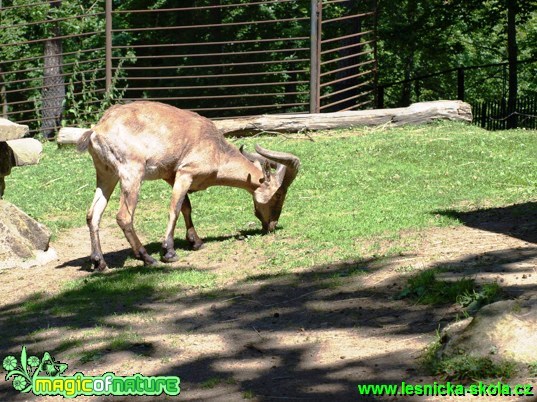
(512, 51)
(406, 94)
(3, 95)
(53, 82)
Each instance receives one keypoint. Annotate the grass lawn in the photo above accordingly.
(355, 187)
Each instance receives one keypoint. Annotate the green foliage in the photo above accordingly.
(418, 37)
(467, 367)
(476, 298)
(84, 108)
(464, 367)
(26, 27)
(415, 37)
(533, 369)
(425, 288)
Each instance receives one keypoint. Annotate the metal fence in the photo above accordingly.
(495, 115)
(65, 62)
(484, 86)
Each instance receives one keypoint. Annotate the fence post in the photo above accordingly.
(380, 97)
(460, 84)
(108, 45)
(315, 57)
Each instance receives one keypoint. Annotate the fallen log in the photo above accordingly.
(70, 135)
(417, 113)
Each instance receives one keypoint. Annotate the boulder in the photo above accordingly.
(7, 161)
(505, 330)
(23, 241)
(11, 131)
(27, 151)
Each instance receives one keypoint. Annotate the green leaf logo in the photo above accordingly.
(33, 361)
(19, 383)
(10, 362)
(52, 367)
(29, 368)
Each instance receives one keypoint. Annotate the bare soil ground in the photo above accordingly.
(305, 336)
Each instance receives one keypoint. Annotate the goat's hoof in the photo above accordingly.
(149, 261)
(99, 265)
(198, 246)
(170, 256)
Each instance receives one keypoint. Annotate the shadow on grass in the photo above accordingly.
(182, 244)
(519, 220)
(117, 259)
(271, 328)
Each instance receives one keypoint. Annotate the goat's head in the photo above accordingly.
(269, 197)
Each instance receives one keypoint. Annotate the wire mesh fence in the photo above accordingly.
(64, 63)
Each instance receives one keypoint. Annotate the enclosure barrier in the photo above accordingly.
(219, 58)
(490, 110)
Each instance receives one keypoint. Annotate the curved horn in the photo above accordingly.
(252, 157)
(291, 163)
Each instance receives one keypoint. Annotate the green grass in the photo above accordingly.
(215, 381)
(476, 298)
(353, 187)
(124, 340)
(426, 288)
(464, 367)
(118, 292)
(532, 367)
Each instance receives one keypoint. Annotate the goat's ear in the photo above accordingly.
(266, 171)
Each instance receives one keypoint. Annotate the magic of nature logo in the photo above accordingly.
(45, 376)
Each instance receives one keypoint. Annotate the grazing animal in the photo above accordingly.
(150, 140)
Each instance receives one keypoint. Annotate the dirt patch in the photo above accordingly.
(307, 335)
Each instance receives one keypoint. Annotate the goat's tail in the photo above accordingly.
(83, 142)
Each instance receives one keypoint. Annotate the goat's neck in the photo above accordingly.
(237, 171)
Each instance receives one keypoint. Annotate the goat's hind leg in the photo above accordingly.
(130, 189)
(181, 184)
(105, 186)
(191, 235)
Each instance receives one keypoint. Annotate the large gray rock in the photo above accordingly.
(11, 131)
(505, 330)
(27, 151)
(22, 239)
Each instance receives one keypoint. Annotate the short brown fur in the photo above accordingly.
(150, 140)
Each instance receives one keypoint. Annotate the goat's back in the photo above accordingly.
(157, 136)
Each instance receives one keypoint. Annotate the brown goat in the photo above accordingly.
(151, 140)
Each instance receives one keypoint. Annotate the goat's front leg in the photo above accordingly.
(130, 188)
(181, 185)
